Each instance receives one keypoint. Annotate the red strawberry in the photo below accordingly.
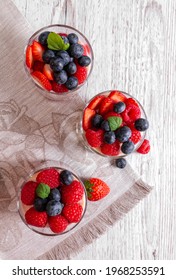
(94, 138)
(35, 218)
(37, 51)
(144, 148)
(42, 80)
(49, 177)
(86, 49)
(48, 72)
(57, 223)
(94, 104)
(38, 66)
(28, 192)
(59, 88)
(29, 57)
(111, 114)
(72, 193)
(96, 189)
(81, 74)
(87, 118)
(72, 212)
(131, 113)
(117, 96)
(111, 149)
(106, 105)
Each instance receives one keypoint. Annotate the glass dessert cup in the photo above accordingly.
(93, 107)
(62, 30)
(46, 229)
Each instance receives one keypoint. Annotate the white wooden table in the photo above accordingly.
(134, 44)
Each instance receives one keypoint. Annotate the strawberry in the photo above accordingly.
(86, 49)
(29, 57)
(111, 114)
(94, 104)
(111, 149)
(144, 148)
(35, 218)
(131, 113)
(96, 189)
(57, 223)
(106, 105)
(38, 66)
(117, 96)
(28, 192)
(81, 74)
(87, 118)
(37, 51)
(59, 88)
(72, 212)
(94, 138)
(49, 177)
(72, 193)
(42, 80)
(48, 72)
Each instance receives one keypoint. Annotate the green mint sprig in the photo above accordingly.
(56, 43)
(114, 122)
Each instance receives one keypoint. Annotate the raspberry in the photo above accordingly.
(131, 113)
(144, 148)
(94, 138)
(28, 192)
(131, 101)
(59, 88)
(81, 74)
(136, 135)
(72, 212)
(111, 149)
(35, 218)
(111, 114)
(57, 223)
(49, 177)
(72, 193)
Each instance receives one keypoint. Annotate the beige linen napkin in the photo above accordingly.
(34, 129)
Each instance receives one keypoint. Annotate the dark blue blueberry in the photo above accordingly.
(43, 38)
(123, 133)
(76, 50)
(61, 77)
(109, 137)
(40, 204)
(54, 208)
(64, 55)
(66, 177)
(141, 124)
(71, 83)
(105, 125)
(119, 107)
(84, 60)
(120, 162)
(97, 120)
(57, 64)
(127, 147)
(71, 68)
(48, 55)
(55, 194)
(73, 38)
(65, 39)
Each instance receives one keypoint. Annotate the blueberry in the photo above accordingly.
(76, 50)
(127, 147)
(40, 204)
(119, 107)
(84, 60)
(97, 120)
(55, 194)
(71, 68)
(109, 137)
(48, 55)
(65, 39)
(141, 124)
(66, 177)
(43, 38)
(73, 38)
(54, 208)
(105, 125)
(120, 162)
(123, 133)
(64, 55)
(61, 77)
(57, 64)
(71, 83)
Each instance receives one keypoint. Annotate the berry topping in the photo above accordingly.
(64, 55)
(59, 88)
(65, 39)
(50, 177)
(111, 149)
(81, 74)
(136, 135)
(97, 120)
(123, 134)
(96, 189)
(94, 104)
(120, 162)
(127, 147)
(131, 113)
(28, 192)
(29, 57)
(141, 124)
(109, 137)
(87, 118)
(35, 218)
(76, 50)
(61, 77)
(57, 64)
(73, 38)
(54, 208)
(55, 194)
(71, 68)
(43, 38)
(66, 177)
(72, 212)
(40, 204)
(119, 107)
(48, 72)
(48, 55)
(106, 105)
(37, 51)
(111, 114)
(144, 148)
(57, 223)
(42, 80)
(94, 138)
(117, 96)
(38, 66)
(71, 83)
(84, 60)
(72, 193)
(105, 125)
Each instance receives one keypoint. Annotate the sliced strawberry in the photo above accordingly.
(48, 72)
(106, 105)
(37, 50)
(29, 57)
(42, 80)
(111, 114)
(87, 118)
(117, 96)
(81, 74)
(94, 104)
(59, 88)
(38, 66)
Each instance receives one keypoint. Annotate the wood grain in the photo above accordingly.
(134, 45)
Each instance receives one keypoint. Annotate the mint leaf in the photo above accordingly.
(114, 122)
(56, 43)
(42, 190)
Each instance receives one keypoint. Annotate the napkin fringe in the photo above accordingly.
(74, 244)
